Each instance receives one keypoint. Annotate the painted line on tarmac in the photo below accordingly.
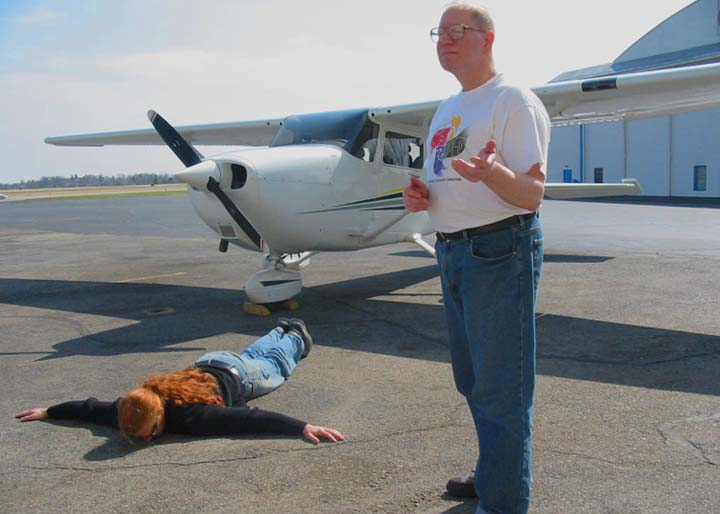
(179, 273)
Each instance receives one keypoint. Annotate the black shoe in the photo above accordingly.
(463, 487)
(298, 326)
(284, 323)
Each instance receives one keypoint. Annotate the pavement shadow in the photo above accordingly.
(661, 201)
(116, 446)
(369, 314)
(467, 505)
(577, 259)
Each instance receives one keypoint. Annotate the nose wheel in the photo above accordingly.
(272, 290)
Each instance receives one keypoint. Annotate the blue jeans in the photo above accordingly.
(264, 365)
(489, 287)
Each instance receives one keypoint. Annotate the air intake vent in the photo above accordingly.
(239, 176)
(227, 231)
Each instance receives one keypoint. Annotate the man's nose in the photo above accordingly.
(444, 37)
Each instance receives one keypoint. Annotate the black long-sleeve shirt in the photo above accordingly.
(197, 419)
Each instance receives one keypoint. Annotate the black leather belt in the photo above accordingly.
(512, 221)
(218, 365)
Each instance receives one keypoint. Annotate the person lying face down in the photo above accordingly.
(207, 398)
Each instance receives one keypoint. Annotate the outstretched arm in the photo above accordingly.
(91, 410)
(201, 419)
(32, 414)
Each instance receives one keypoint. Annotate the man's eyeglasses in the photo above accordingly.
(456, 32)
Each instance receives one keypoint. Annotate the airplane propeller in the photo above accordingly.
(201, 174)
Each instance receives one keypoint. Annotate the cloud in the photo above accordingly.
(40, 16)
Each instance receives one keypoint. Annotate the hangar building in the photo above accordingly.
(677, 155)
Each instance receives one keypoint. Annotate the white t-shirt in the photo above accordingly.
(461, 127)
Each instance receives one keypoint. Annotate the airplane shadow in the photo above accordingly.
(547, 258)
(578, 259)
(369, 314)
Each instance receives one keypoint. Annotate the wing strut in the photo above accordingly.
(418, 240)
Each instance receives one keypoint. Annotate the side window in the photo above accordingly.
(366, 142)
(403, 150)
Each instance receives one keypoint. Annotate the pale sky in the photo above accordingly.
(78, 66)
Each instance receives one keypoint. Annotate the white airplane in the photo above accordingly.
(333, 181)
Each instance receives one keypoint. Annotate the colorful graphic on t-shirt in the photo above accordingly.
(446, 144)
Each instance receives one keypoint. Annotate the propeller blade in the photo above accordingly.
(214, 187)
(181, 148)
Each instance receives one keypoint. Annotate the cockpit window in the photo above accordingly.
(403, 150)
(339, 128)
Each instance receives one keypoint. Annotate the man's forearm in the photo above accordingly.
(523, 190)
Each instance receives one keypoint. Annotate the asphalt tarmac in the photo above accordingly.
(95, 294)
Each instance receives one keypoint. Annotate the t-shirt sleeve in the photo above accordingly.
(524, 138)
(202, 419)
(91, 410)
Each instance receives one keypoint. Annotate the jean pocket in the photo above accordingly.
(493, 248)
(528, 231)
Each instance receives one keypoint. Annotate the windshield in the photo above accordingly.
(339, 128)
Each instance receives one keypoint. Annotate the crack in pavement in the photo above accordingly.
(672, 436)
(621, 463)
(256, 454)
(550, 356)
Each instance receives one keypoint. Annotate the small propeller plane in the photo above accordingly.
(333, 181)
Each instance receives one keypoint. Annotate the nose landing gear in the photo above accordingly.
(275, 286)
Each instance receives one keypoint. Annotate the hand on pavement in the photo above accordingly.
(32, 414)
(314, 434)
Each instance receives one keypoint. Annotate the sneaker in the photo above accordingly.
(463, 487)
(298, 326)
(284, 323)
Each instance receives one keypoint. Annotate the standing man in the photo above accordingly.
(485, 173)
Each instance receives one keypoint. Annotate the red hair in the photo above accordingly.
(138, 408)
(190, 385)
(186, 386)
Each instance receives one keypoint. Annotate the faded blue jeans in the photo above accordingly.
(264, 365)
(490, 287)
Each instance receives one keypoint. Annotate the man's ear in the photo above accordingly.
(489, 40)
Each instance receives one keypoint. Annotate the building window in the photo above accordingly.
(700, 178)
(598, 175)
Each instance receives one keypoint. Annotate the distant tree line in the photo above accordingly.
(137, 179)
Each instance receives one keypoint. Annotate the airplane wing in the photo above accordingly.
(610, 98)
(614, 97)
(240, 133)
(632, 95)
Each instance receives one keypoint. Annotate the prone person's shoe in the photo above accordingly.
(298, 326)
(462, 487)
(284, 324)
